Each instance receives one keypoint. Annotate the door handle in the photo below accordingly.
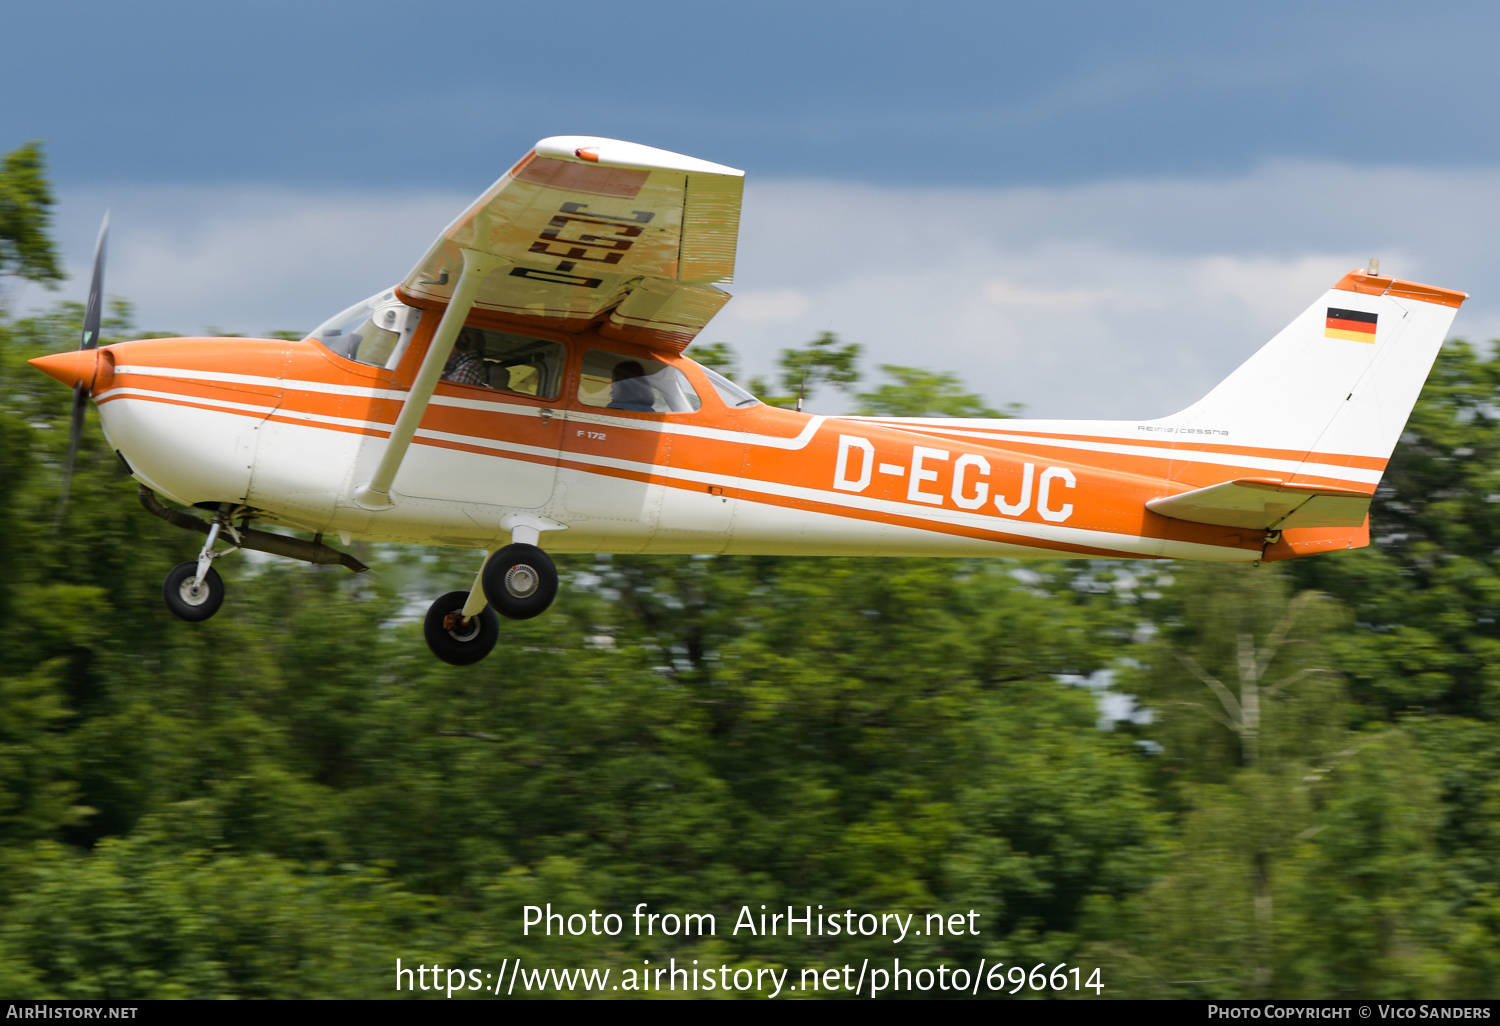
(547, 414)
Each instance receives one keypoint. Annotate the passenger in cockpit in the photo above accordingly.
(630, 390)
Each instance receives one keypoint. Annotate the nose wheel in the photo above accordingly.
(455, 638)
(190, 597)
(194, 591)
(520, 581)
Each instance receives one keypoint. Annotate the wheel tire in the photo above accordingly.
(186, 604)
(520, 581)
(465, 644)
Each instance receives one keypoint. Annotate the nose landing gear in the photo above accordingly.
(194, 591)
(190, 597)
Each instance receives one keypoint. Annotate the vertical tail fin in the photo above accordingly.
(1332, 392)
(1341, 379)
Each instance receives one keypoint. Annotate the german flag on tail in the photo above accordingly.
(1350, 324)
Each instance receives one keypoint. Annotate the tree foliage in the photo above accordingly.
(26, 248)
(823, 360)
(922, 393)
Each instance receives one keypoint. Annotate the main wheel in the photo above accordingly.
(454, 639)
(188, 603)
(520, 581)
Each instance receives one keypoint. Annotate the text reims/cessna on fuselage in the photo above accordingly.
(524, 388)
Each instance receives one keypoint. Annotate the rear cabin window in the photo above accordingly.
(507, 362)
(613, 381)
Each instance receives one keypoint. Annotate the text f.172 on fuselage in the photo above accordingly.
(525, 388)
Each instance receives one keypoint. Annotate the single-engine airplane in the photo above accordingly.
(527, 379)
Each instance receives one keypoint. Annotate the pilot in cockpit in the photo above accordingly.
(466, 366)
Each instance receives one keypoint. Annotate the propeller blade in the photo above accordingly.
(94, 313)
(75, 431)
(92, 316)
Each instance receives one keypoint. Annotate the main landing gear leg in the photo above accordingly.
(518, 582)
(194, 591)
(460, 627)
(520, 579)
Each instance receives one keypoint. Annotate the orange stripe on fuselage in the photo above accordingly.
(1216, 448)
(1109, 499)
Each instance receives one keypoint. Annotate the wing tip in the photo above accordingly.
(619, 153)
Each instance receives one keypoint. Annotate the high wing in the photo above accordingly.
(582, 232)
(597, 232)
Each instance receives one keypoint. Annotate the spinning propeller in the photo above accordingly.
(91, 318)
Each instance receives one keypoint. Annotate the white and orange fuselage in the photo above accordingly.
(596, 246)
(289, 429)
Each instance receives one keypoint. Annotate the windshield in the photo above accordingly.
(375, 331)
(732, 394)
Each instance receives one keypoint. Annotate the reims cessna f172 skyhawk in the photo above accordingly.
(524, 388)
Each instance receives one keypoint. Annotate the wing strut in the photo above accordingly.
(376, 493)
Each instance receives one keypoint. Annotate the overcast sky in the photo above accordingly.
(1091, 209)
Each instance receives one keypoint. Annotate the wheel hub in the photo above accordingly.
(521, 580)
(191, 595)
(460, 628)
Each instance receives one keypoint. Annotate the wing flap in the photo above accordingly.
(1266, 504)
(710, 228)
(597, 232)
(653, 313)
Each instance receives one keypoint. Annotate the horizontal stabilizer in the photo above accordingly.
(1266, 504)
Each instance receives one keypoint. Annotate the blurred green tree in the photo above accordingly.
(923, 393)
(823, 360)
(26, 247)
(1426, 593)
(1290, 878)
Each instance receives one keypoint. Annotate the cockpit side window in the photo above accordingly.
(375, 331)
(502, 360)
(618, 382)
